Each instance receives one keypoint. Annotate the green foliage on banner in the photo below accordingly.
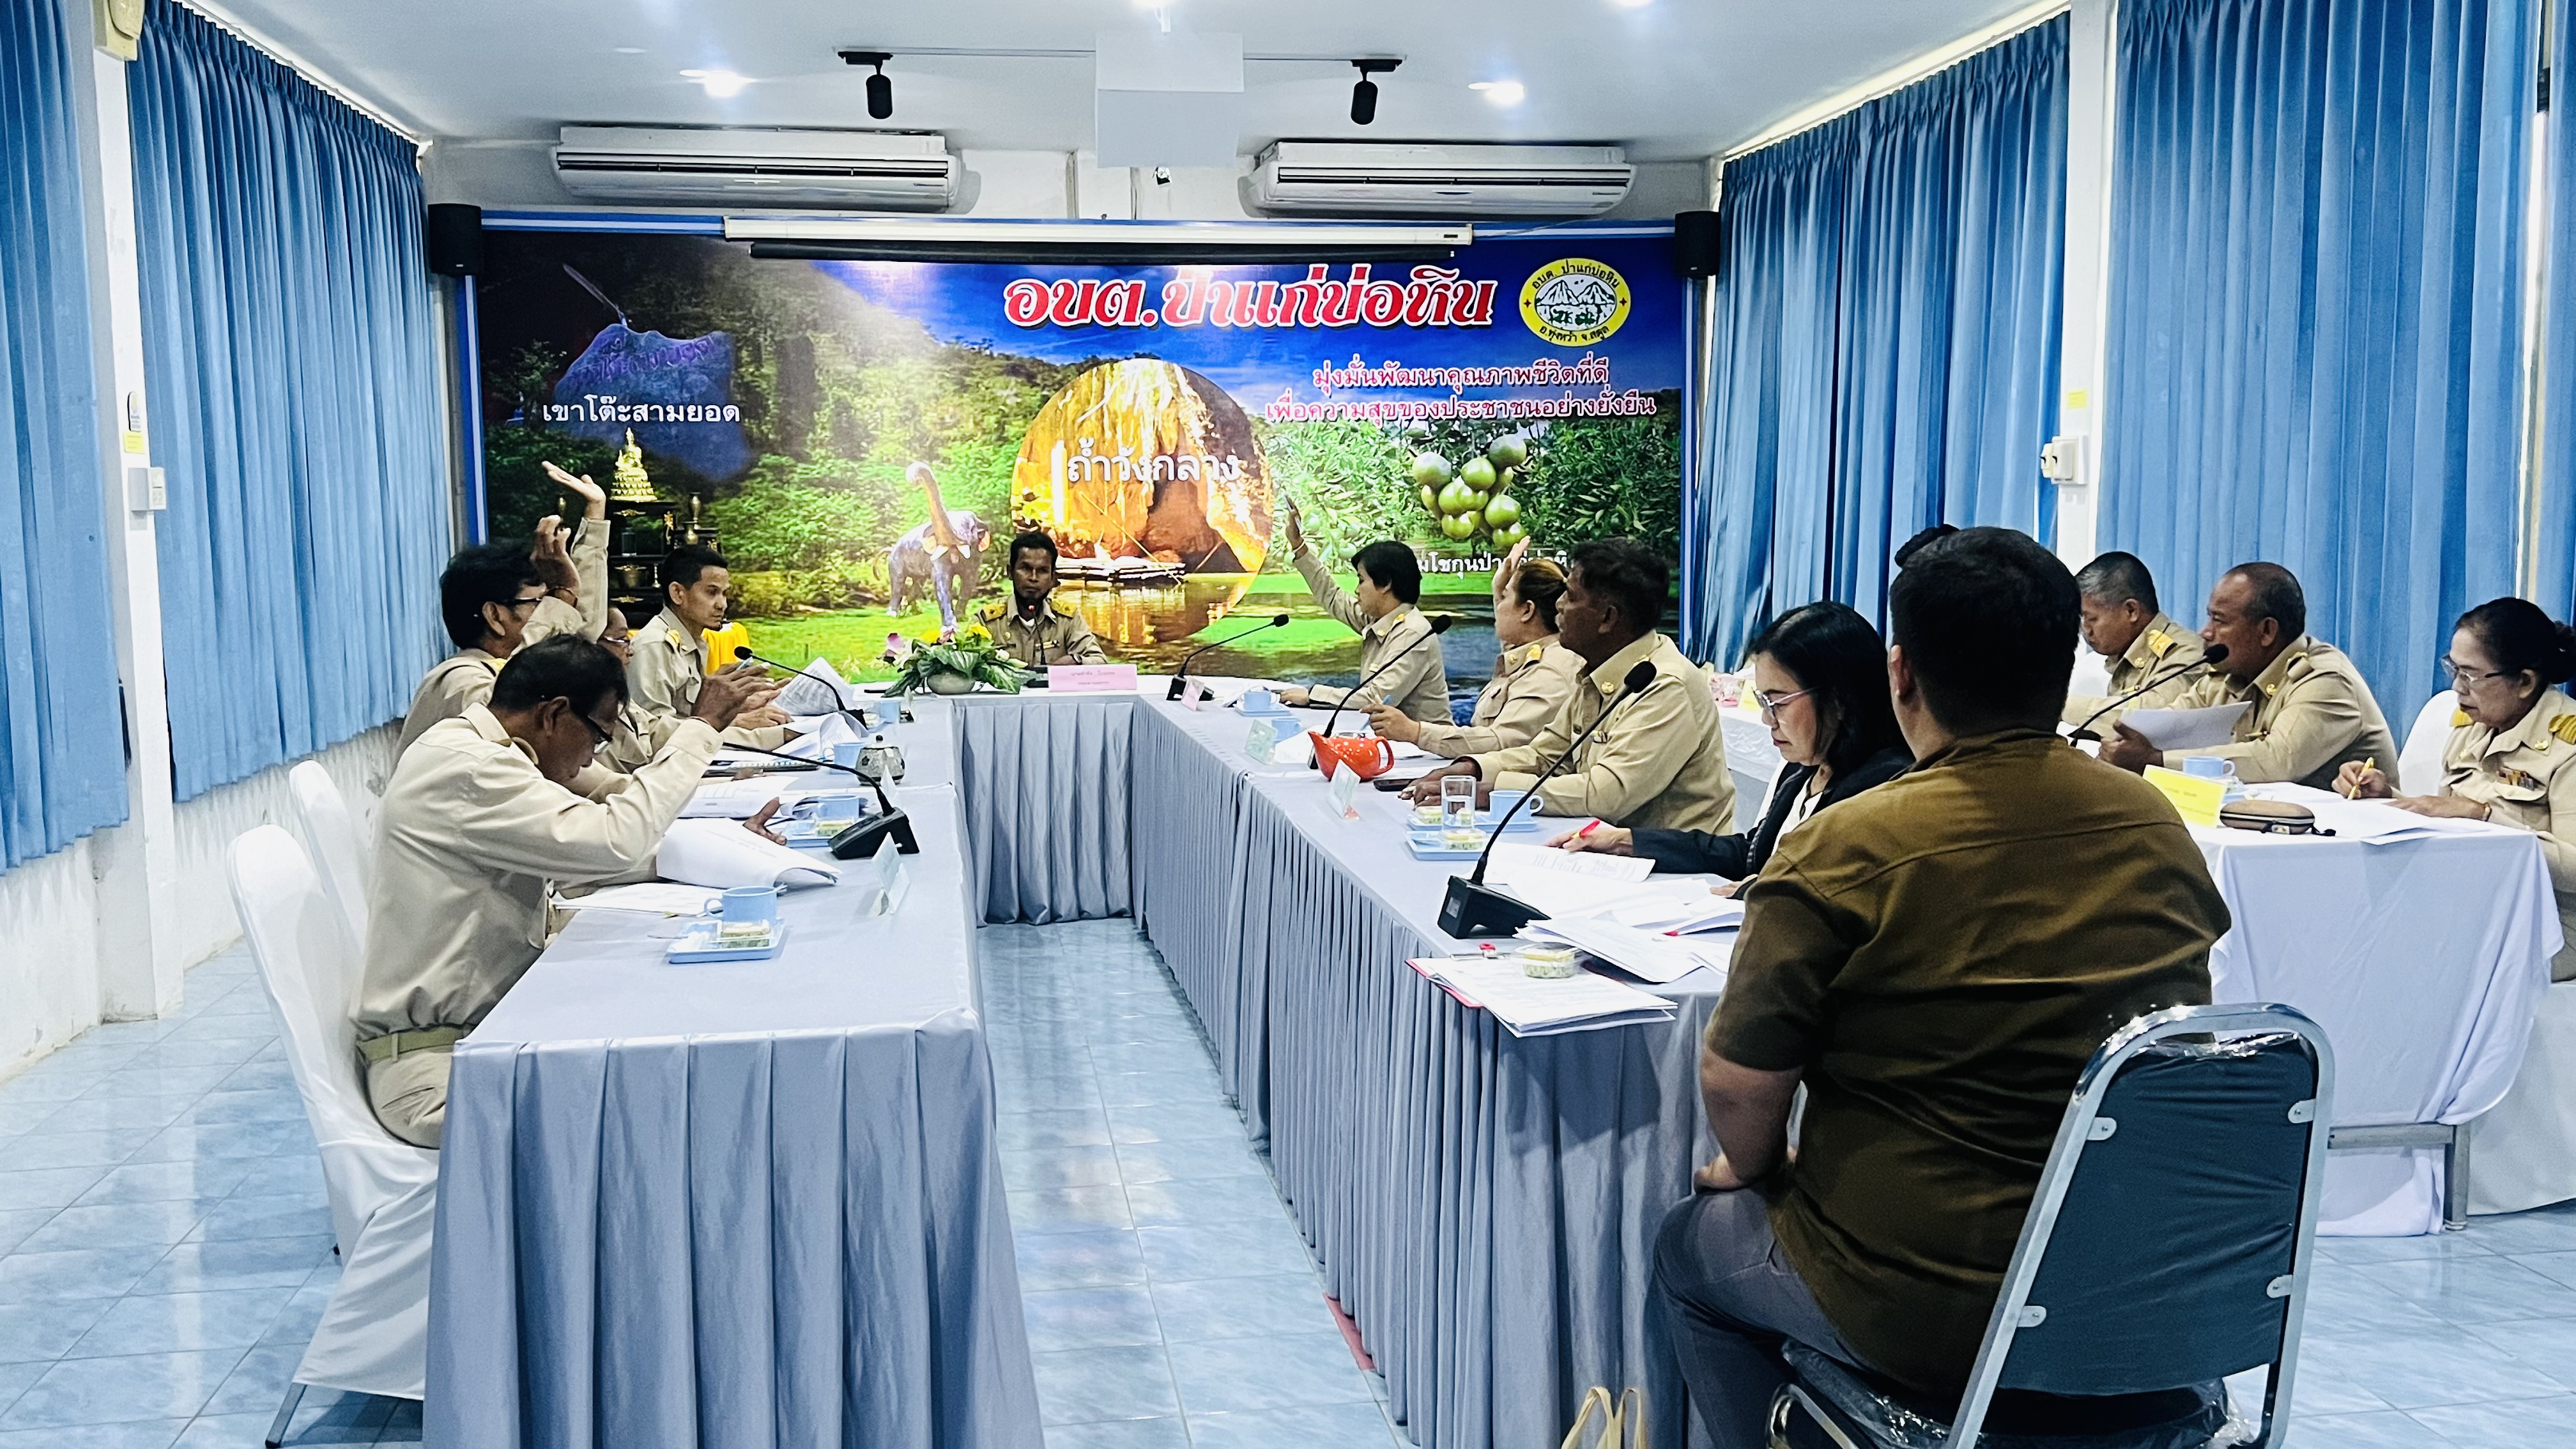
(1349, 482)
(1607, 478)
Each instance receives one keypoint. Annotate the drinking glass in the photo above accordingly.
(1458, 813)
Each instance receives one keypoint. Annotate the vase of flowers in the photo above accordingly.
(956, 665)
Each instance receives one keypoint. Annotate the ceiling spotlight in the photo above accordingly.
(880, 85)
(1501, 93)
(723, 85)
(1364, 95)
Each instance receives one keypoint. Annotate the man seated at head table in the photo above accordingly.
(2511, 758)
(667, 658)
(484, 816)
(1392, 629)
(1820, 675)
(1034, 627)
(2311, 709)
(496, 597)
(1934, 960)
(1533, 676)
(2150, 654)
(1662, 762)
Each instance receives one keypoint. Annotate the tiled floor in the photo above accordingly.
(165, 1248)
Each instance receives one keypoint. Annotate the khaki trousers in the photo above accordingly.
(409, 1094)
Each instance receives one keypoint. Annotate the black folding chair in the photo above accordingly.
(2168, 1246)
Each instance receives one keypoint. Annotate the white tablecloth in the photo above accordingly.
(2424, 960)
(753, 1203)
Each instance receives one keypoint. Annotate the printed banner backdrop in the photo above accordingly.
(821, 420)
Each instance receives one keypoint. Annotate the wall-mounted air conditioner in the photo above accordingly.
(1332, 178)
(857, 170)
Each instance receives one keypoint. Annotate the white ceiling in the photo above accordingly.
(1668, 78)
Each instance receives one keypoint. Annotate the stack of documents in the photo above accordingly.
(2372, 822)
(1527, 1006)
(1647, 955)
(1571, 886)
(730, 799)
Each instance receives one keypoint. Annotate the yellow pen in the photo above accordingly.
(2368, 764)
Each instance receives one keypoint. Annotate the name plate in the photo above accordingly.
(1091, 679)
(2195, 797)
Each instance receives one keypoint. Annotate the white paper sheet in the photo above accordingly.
(1519, 857)
(731, 799)
(1527, 1006)
(1647, 955)
(2187, 729)
(817, 689)
(716, 854)
(2373, 822)
(657, 897)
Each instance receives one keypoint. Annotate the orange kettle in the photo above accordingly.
(1367, 756)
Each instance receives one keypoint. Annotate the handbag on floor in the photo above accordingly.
(1623, 1421)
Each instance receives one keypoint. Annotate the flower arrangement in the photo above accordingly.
(946, 665)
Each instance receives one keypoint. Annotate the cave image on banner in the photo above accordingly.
(862, 439)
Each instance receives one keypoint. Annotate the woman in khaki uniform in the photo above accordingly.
(1533, 677)
(2512, 755)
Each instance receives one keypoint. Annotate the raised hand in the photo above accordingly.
(1296, 528)
(594, 498)
(552, 558)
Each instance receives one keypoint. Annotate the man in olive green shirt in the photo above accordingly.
(2152, 657)
(1661, 763)
(1934, 960)
(2311, 713)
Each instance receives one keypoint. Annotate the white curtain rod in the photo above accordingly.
(233, 25)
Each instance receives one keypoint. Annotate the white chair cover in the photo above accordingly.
(2419, 761)
(331, 842)
(374, 1335)
(2523, 1151)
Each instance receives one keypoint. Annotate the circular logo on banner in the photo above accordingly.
(1574, 301)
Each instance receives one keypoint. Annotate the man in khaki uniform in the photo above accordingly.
(1661, 764)
(1034, 627)
(485, 815)
(667, 662)
(2149, 653)
(1391, 628)
(496, 597)
(2312, 711)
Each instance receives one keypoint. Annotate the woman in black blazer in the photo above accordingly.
(1820, 672)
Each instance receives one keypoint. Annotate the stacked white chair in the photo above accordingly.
(374, 1335)
(331, 842)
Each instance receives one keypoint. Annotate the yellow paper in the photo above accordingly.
(2196, 798)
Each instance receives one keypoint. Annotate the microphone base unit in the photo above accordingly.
(1471, 911)
(864, 839)
(1173, 694)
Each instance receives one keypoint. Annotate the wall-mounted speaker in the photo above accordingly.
(454, 237)
(1695, 244)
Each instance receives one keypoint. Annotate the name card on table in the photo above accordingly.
(1091, 679)
(2195, 797)
(1345, 791)
(886, 873)
(1259, 741)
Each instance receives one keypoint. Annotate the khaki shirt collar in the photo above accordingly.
(1384, 628)
(2531, 732)
(488, 725)
(2141, 653)
(667, 623)
(2277, 673)
(1611, 675)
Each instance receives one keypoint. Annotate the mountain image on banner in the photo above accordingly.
(675, 393)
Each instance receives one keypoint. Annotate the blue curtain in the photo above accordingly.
(1886, 343)
(2316, 270)
(2552, 545)
(292, 359)
(62, 752)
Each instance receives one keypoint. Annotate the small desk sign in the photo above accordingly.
(1091, 679)
(1345, 793)
(2195, 797)
(891, 880)
(1259, 741)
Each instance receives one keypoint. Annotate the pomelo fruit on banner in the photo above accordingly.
(1147, 459)
(1430, 469)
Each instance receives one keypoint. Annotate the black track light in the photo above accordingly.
(1364, 95)
(880, 85)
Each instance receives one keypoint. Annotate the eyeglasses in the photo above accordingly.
(1771, 702)
(2462, 678)
(530, 603)
(600, 734)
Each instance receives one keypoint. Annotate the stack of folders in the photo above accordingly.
(1528, 1006)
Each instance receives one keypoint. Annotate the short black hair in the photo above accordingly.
(2276, 595)
(1626, 574)
(1392, 567)
(1830, 649)
(1906, 551)
(1988, 622)
(563, 666)
(1032, 538)
(685, 563)
(2519, 635)
(487, 573)
(2116, 578)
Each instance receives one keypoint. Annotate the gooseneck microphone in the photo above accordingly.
(1473, 908)
(743, 652)
(2215, 655)
(1439, 625)
(1180, 679)
(860, 839)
